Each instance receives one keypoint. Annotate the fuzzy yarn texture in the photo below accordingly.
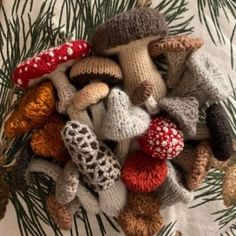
(220, 132)
(47, 141)
(229, 186)
(123, 120)
(141, 216)
(34, 108)
(172, 190)
(162, 140)
(67, 184)
(95, 161)
(4, 195)
(96, 68)
(203, 79)
(22, 162)
(176, 50)
(141, 173)
(184, 111)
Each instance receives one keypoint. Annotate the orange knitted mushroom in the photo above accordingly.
(35, 106)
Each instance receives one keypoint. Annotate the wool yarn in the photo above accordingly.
(141, 173)
(176, 50)
(172, 190)
(184, 111)
(220, 132)
(141, 216)
(162, 140)
(4, 195)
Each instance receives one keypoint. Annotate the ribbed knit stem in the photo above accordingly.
(202, 133)
(122, 150)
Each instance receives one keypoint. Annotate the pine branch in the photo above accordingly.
(167, 230)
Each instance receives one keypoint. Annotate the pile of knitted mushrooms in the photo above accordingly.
(114, 134)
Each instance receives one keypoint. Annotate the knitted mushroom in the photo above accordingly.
(34, 108)
(141, 173)
(172, 190)
(4, 194)
(141, 216)
(195, 163)
(123, 121)
(97, 165)
(127, 35)
(202, 79)
(162, 140)
(220, 132)
(52, 63)
(176, 49)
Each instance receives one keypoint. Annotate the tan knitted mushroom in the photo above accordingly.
(176, 49)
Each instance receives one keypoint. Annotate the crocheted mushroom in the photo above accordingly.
(202, 132)
(176, 49)
(184, 111)
(162, 140)
(4, 195)
(33, 110)
(172, 190)
(96, 163)
(141, 173)
(195, 163)
(203, 79)
(220, 132)
(127, 35)
(123, 121)
(47, 141)
(229, 186)
(52, 63)
(141, 216)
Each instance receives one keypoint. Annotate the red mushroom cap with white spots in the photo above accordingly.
(162, 140)
(47, 61)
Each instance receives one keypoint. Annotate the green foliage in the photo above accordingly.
(167, 230)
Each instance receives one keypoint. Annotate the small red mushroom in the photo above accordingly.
(52, 63)
(162, 140)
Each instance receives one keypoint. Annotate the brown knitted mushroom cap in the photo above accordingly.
(177, 43)
(129, 26)
(61, 215)
(89, 95)
(96, 68)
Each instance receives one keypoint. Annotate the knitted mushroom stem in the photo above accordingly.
(64, 88)
(122, 150)
(138, 66)
(202, 132)
(151, 106)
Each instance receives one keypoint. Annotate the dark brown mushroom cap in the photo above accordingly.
(129, 26)
(98, 68)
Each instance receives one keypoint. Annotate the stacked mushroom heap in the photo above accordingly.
(116, 135)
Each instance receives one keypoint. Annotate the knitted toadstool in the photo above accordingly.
(127, 35)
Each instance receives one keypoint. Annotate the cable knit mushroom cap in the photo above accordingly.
(36, 68)
(89, 95)
(141, 173)
(129, 26)
(162, 140)
(96, 68)
(123, 120)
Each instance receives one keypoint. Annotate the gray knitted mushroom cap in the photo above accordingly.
(123, 120)
(129, 26)
(203, 80)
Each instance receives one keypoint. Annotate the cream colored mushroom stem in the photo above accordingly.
(122, 150)
(202, 132)
(138, 66)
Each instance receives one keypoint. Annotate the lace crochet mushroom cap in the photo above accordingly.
(141, 216)
(162, 140)
(141, 173)
(34, 108)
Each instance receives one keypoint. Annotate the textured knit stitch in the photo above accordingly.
(112, 203)
(94, 160)
(4, 195)
(141, 216)
(176, 49)
(229, 186)
(22, 161)
(96, 68)
(184, 111)
(203, 79)
(123, 120)
(67, 184)
(220, 132)
(141, 173)
(172, 190)
(202, 132)
(162, 140)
